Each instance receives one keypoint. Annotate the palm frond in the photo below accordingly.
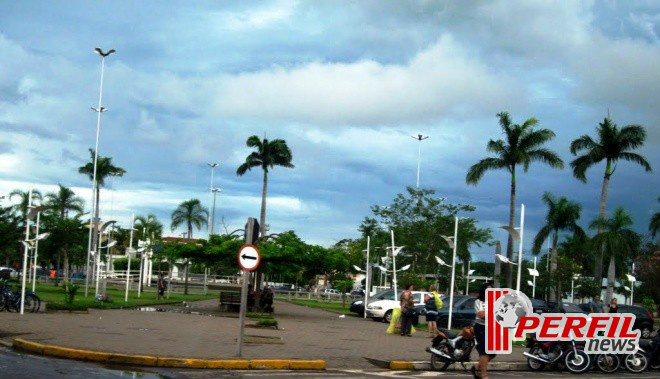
(636, 158)
(477, 171)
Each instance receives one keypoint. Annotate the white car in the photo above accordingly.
(381, 307)
(329, 292)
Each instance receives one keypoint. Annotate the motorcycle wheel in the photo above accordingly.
(3, 302)
(439, 363)
(577, 361)
(532, 363)
(636, 362)
(608, 363)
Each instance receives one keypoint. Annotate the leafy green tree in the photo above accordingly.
(562, 215)
(67, 238)
(522, 145)
(190, 213)
(268, 154)
(23, 199)
(148, 225)
(10, 234)
(612, 144)
(617, 241)
(654, 225)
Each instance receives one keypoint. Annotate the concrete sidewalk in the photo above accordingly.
(201, 331)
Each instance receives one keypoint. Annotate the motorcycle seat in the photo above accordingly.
(644, 343)
(450, 335)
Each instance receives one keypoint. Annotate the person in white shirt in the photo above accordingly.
(480, 370)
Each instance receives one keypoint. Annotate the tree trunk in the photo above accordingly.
(508, 271)
(66, 265)
(262, 232)
(553, 268)
(57, 269)
(598, 269)
(611, 277)
(496, 276)
(185, 286)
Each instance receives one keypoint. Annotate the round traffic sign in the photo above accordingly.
(249, 257)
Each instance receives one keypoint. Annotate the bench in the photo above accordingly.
(230, 301)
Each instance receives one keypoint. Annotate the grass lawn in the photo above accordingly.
(327, 306)
(54, 296)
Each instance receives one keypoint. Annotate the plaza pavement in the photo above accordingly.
(204, 332)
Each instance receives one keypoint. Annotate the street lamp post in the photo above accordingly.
(214, 191)
(517, 234)
(395, 251)
(209, 228)
(467, 280)
(94, 213)
(419, 138)
(453, 244)
(534, 273)
(36, 253)
(26, 251)
(573, 286)
(632, 280)
(128, 254)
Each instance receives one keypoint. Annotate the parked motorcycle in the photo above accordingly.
(558, 353)
(448, 347)
(607, 363)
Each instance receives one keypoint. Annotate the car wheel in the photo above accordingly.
(646, 332)
(388, 317)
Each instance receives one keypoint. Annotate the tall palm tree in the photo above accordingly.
(63, 201)
(60, 203)
(617, 241)
(104, 169)
(654, 225)
(268, 154)
(23, 196)
(523, 145)
(189, 213)
(563, 215)
(148, 225)
(613, 144)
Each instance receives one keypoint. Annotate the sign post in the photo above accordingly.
(248, 260)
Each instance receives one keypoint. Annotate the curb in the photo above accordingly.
(154, 361)
(426, 365)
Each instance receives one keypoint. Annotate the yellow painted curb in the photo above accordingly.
(269, 364)
(307, 365)
(237, 364)
(26, 345)
(153, 361)
(401, 365)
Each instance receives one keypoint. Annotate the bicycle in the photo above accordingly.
(12, 301)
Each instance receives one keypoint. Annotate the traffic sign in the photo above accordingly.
(249, 257)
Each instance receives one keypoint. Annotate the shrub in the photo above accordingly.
(267, 322)
(70, 291)
(649, 304)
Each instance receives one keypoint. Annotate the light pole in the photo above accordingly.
(573, 286)
(534, 273)
(467, 280)
(32, 211)
(36, 253)
(367, 282)
(94, 213)
(453, 244)
(517, 234)
(128, 254)
(419, 138)
(209, 228)
(395, 252)
(632, 280)
(214, 191)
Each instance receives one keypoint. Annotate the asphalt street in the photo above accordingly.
(24, 366)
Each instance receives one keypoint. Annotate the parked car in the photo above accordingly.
(5, 273)
(643, 319)
(540, 306)
(566, 307)
(463, 313)
(330, 292)
(381, 309)
(357, 306)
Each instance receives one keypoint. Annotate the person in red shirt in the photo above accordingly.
(407, 310)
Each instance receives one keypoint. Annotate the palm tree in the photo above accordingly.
(104, 169)
(60, 203)
(617, 241)
(63, 201)
(562, 215)
(654, 225)
(148, 225)
(613, 144)
(523, 145)
(268, 154)
(23, 196)
(191, 213)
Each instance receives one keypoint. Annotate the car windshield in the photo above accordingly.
(383, 295)
(571, 308)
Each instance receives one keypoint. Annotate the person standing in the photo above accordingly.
(432, 303)
(407, 310)
(614, 306)
(480, 334)
(596, 305)
(162, 285)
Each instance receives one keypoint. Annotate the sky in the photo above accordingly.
(344, 83)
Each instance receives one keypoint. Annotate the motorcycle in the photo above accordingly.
(448, 347)
(648, 355)
(562, 354)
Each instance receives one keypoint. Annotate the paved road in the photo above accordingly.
(23, 366)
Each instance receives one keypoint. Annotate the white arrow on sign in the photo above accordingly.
(249, 257)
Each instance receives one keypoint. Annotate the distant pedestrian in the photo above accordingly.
(407, 310)
(480, 370)
(614, 306)
(432, 304)
(267, 300)
(162, 285)
(596, 305)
